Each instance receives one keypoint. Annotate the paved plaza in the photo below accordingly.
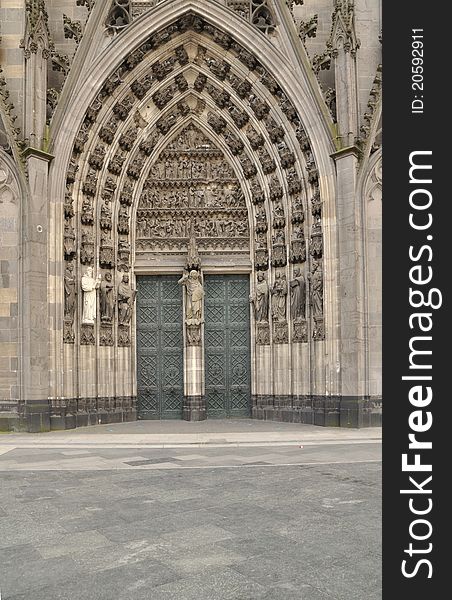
(221, 510)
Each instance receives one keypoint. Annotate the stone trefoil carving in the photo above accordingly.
(119, 16)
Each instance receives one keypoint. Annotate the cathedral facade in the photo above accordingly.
(190, 211)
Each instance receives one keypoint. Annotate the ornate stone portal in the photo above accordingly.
(188, 106)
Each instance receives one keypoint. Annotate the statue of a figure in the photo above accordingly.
(298, 296)
(279, 294)
(195, 294)
(260, 299)
(89, 287)
(126, 298)
(70, 293)
(107, 299)
(317, 291)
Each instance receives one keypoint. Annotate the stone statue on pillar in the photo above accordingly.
(194, 297)
(298, 307)
(90, 286)
(191, 280)
(126, 299)
(261, 304)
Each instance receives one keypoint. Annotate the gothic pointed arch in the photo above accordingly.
(185, 71)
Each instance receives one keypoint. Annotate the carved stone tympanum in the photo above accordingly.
(192, 188)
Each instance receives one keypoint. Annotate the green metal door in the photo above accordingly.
(160, 348)
(227, 346)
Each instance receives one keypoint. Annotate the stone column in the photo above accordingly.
(34, 300)
(352, 355)
(194, 407)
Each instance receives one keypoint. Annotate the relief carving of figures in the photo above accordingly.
(96, 159)
(260, 108)
(261, 253)
(116, 163)
(279, 218)
(194, 297)
(105, 216)
(316, 249)
(239, 117)
(107, 299)
(70, 294)
(255, 138)
(279, 251)
(106, 253)
(126, 299)
(294, 182)
(261, 220)
(69, 242)
(268, 164)
(90, 183)
(123, 255)
(298, 215)
(107, 132)
(87, 216)
(90, 285)
(123, 220)
(135, 167)
(242, 86)
(122, 108)
(87, 249)
(68, 203)
(279, 298)
(276, 191)
(71, 171)
(298, 296)
(298, 250)
(260, 299)
(316, 205)
(287, 157)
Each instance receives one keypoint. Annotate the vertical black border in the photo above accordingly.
(404, 133)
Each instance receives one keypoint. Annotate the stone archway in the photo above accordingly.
(191, 70)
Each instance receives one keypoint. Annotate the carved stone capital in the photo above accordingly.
(300, 332)
(263, 334)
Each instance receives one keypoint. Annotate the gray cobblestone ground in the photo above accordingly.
(234, 523)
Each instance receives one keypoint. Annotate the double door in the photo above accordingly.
(160, 347)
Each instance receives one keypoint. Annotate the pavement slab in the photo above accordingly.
(234, 523)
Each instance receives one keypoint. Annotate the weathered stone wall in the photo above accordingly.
(10, 200)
